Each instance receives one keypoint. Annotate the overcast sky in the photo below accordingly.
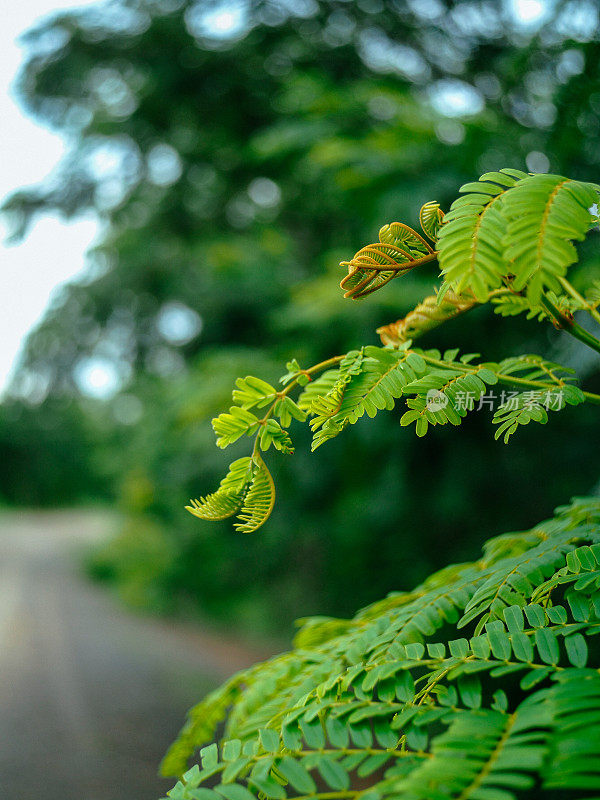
(54, 251)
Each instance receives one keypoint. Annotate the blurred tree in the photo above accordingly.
(235, 151)
(46, 453)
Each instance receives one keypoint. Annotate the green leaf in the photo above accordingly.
(422, 426)
(209, 756)
(514, 618)
(545, 213)
(431, 217)
(470, 242)
(372, 764)
(259, 498)
(299, 777)
(269, 739)
(532, 405)
(459, 648)
(232, 749)
(499, 640)
(522, 646)
(201, 794)
(332, 772)
(234, 791)
(313, 734)
(579, 605)
(269, 788)
(577, 649)
(337, 732)
(251, 392)
(228, 499)
(547, 645)
(247, 490)
(535, 615)
(230, 427)
(234, 768)
(469, 687)
(271, 433)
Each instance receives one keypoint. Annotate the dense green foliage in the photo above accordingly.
(481, 683)
(484, 681)
(509, 238)
(232, 175)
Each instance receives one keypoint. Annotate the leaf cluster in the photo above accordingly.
(437, 389)
(507, 239)
(515, 229)
(480, 683)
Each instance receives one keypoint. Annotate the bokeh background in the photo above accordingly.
(228, 155)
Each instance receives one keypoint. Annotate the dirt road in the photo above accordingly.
(90, 693)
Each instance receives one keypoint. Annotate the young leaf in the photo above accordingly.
(258, 500)
(229, 496)
(251, 392)
(431, 217)
(398, 250)
(230, 427)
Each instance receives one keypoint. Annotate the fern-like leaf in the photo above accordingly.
(400, 249)
(486, 754)
(445, 395)
(323, 398)
(258, 500)
(574, 760)
(545, 214)
(431, 217)
(317, 389)
(247, 491)
(511, 304)
(400, 235)
(470, 240)
(533, 406)
(377, 385)
(532, 367)
(464, 687)
(228, 498)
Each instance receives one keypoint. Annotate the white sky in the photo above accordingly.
(54, 250)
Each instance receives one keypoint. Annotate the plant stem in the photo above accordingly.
(509, 380)
(324, 364)
(310, 371)
(569, 325)
(284, 392)
(568, 287)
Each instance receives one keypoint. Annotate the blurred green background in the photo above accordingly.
(235, 152)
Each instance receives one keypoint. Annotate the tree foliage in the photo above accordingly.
(521, 249)
(333, 115)
(480, 683)
(483, 682)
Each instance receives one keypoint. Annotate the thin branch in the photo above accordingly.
(509, 380)
(591, 309)
(568, 324)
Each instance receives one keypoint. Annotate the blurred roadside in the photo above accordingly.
(91, 695)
